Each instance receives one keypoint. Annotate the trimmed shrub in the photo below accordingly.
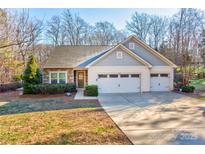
(188, 88)
(49, 88)
(10, 86)
(91, 90)
(70, 87)
(27, 89)
(177, 85)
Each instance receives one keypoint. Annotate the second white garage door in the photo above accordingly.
(118, 83)
(159, 82)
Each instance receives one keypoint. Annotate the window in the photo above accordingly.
(62, 78)
(124, 75)
(164, 75)
(113, 76)
(135, 75)
(154, 75)
(119, 54)
(102, 75)
(131, 46)
(54, 78)
(58, 77)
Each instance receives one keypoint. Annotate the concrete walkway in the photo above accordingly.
(157, 118)
(80, 95)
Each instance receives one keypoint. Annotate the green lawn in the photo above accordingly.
(59, 120)
(199, 84)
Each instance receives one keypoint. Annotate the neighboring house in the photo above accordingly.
(130, 66)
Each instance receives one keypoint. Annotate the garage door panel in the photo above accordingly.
(121, 84)
(130, 85)
(159, 82)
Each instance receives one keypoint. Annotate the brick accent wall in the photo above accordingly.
(70, 74)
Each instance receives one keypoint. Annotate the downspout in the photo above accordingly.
(149, 79)
(141, 84)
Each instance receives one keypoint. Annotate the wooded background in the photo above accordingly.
(181, 38)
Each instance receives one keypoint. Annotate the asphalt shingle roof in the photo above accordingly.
(90, 60)
(73, 56)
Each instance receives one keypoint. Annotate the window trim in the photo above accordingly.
(66, 76)
(131, 45)
(119, 55)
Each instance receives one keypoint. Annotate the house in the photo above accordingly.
(130, 66)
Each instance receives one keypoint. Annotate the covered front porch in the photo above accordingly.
(80, 77)
(81, 80)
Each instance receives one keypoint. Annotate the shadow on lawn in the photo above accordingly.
(79, 137)
(24, 106)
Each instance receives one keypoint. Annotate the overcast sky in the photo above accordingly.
(116, 16)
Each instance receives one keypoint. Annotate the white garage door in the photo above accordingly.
(160, 82)
(118, 83)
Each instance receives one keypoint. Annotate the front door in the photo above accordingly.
(80, 79)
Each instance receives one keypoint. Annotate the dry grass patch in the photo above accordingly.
(70, 126)
(55, 119)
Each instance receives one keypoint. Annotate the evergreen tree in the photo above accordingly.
(31, 75)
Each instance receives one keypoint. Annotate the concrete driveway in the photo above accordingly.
(157, 118)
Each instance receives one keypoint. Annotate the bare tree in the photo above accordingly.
(54, 30)
(157, 31)
(19, 35)
(6, 30)
(75, 28)
(120, 35)
(140, 25)
(106, 34)
(27, 34)
(71, 29)
(184, 37)
(8, 65)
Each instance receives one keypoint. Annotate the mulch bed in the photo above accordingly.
(195, 94)
(16, 103)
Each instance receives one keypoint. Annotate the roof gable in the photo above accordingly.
(145, 54)
(149, 49)
(123, 48)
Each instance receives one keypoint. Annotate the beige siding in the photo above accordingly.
(111, 60)
(142, 70)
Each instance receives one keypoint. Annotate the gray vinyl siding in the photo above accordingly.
(111, 60)
(146, 55)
